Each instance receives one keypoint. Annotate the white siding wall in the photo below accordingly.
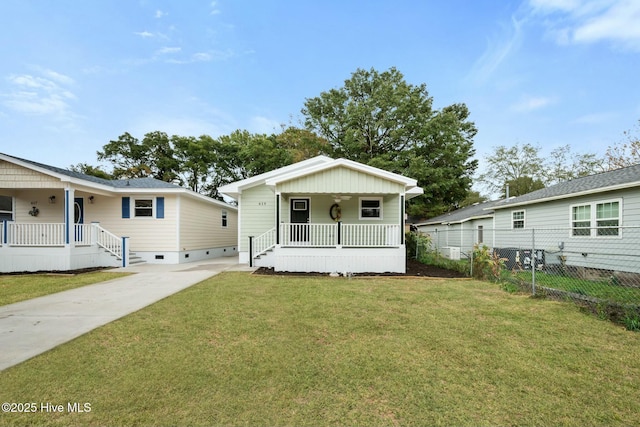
(257, 208)
(340, 180)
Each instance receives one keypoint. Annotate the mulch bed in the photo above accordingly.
(414, 269)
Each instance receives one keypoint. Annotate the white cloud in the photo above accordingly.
(37, 95)
(214, 8)
(532, 103)
(588, 21)
(144, 34)
(169, 50)
(160, 14)
(497, 52)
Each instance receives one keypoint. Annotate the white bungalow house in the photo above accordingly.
(323, 215)
(53, 219)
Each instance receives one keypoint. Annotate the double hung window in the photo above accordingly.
(596, 219)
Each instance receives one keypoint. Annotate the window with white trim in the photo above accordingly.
(224, 219)
(371, 208)
(143, 208)
(517, 219)
(596, 219)
(6, 208)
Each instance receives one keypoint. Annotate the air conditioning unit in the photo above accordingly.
(451, 252)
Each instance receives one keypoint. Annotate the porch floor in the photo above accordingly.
(414, 268)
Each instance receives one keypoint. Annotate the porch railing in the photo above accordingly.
(53, 235)
(109, 241)
(264, 242)
(39, 234)
(338, 234)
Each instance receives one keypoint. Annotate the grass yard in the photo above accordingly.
(602, 289)
(242, 349)
(16, 288)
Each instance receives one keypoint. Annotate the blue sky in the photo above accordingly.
(76, 74)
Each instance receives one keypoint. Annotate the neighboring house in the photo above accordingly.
(462, 228)
(55, 219)
(591, 222)
(323, 215)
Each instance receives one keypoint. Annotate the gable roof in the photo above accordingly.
(315, 165)
(468, 213)
(235, 188)
(113, 185)
(617, 179)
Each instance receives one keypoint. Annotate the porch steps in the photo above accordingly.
(264, 253)
(133, 258)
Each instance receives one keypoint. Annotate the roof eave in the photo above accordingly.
(571, 195)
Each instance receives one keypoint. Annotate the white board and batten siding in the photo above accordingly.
(340, 180)
(258, 215)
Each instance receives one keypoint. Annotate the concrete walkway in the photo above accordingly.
(29, 328)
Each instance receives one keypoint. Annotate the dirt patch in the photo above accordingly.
(58, 273)
(414, 268)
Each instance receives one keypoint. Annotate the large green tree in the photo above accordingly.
(525, 169)
(151, 157)
(381, 120)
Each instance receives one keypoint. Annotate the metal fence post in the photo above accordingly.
(533, 261)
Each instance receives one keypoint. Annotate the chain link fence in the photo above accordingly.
(597, 270)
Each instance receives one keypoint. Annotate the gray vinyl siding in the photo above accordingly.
(552, 224)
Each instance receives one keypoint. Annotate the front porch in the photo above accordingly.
(337, 247)
(59, 247)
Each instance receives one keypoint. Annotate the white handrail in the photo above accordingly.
(317, 235)
(264, 242)
(108, 241)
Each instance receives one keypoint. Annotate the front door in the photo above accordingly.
(299, 214)
(78, 217)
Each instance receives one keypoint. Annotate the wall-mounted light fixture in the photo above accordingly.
(34, 211)
(91, 199)
(52, 199)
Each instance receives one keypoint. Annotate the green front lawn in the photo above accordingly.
(601, 289)
(16, 288)
(242, 349)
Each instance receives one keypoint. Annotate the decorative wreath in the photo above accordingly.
(335, 212)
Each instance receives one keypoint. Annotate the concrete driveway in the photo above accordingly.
(29, 328)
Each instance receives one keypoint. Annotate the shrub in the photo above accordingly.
(487, 264)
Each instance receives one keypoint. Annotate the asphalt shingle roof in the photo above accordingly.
(603, 180)
(139, 183)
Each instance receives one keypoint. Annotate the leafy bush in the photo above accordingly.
(487, 264)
